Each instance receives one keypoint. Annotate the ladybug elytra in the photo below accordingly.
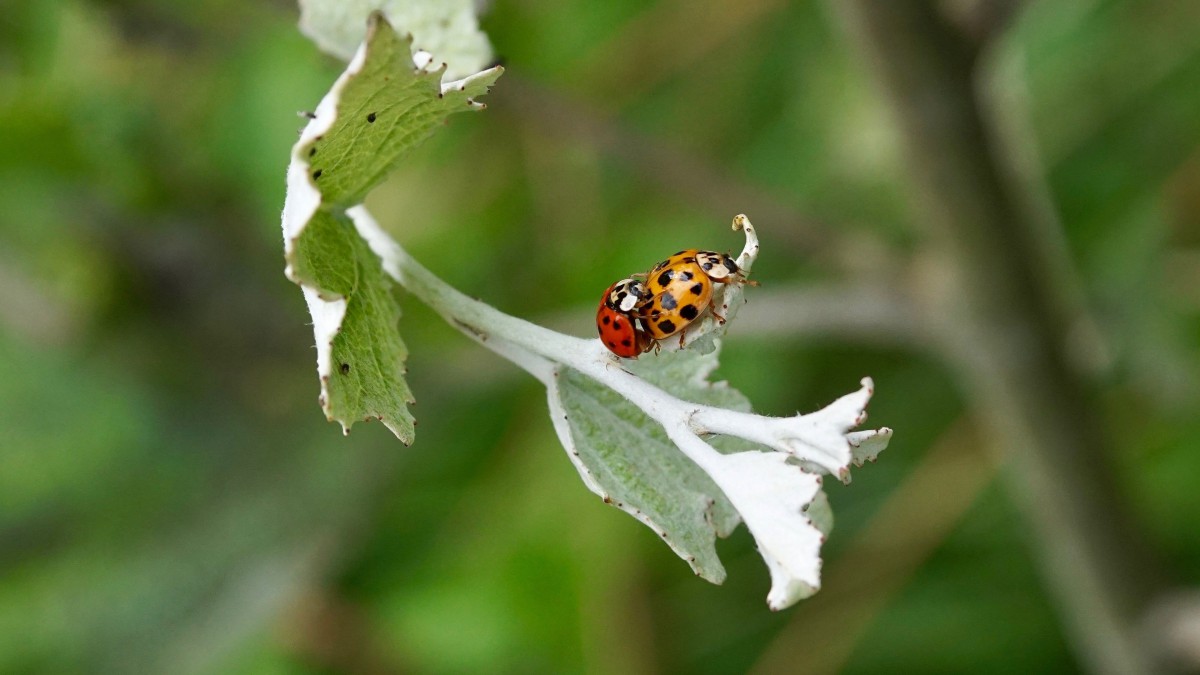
(681, 288)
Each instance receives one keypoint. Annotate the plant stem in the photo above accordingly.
(818, 439)
(1005, 330)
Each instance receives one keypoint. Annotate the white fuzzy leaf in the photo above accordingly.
(772, 495)
(446, 29)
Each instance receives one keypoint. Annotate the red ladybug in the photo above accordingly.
(617, 321)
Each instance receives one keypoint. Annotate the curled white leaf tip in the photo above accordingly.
(750, 250)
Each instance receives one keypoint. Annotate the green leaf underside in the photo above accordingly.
(637, 467)
(630, 457)
(384, 111)
(367, 378)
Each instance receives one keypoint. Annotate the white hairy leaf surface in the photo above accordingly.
(446, 29)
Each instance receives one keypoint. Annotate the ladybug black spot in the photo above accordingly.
(664, 278)
(606, 320)
(666, 326)
(668, 301)
(626, 342)
(617, 324)
(689, 259)
(685, 276)
(689, 312)
(697, 289)
(730, 265)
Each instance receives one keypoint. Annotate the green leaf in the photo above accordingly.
(627, 459)
(376, 112)
(384, 109)
(366, 377)
(448, 29)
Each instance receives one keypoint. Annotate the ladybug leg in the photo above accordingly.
(682, 337)
(741, 278)
(720, 319)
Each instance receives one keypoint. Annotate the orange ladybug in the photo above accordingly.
(680, 289)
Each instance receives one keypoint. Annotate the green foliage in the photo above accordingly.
(382, 110)
(366, 378)
(626, 458)
(377, 112)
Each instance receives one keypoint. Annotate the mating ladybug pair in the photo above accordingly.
(635, 314)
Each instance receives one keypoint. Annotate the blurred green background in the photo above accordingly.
(172, 500)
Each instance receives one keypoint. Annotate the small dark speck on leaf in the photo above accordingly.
(345, 368)
(312, 151)
(317, 174)
(371, 118)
